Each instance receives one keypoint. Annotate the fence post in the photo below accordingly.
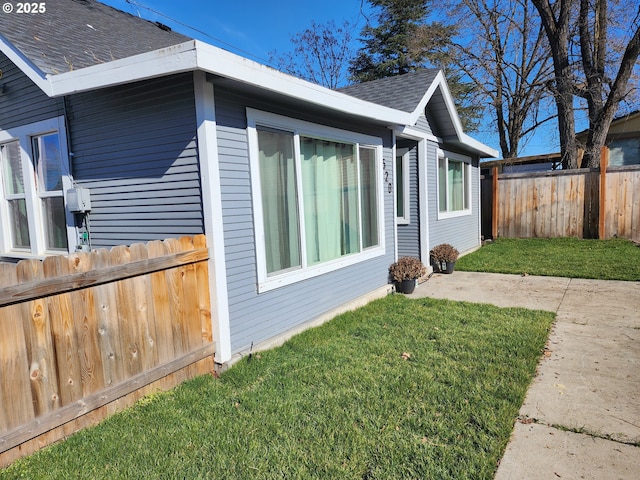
(494, 202)
(602, 209)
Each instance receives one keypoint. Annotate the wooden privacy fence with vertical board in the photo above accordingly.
(621, 203)
(85, 335)
(585, 203)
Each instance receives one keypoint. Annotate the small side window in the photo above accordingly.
(34, 172)
(402, 188)
(454, 185)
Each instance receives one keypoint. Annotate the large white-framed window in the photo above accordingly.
(34, 174)
(454, 184)
(403, 216)
(317, 198)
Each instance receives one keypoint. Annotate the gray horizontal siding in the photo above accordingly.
(23, 102)
(422, 124)
(135, 147)
(409, 235)
(256, 317)
(461, 232)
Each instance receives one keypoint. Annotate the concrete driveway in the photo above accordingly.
(581, 415)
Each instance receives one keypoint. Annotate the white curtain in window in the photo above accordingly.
(368, 197)
(350, 218)
(279, 200)
(456, 186)
(442, 184)
(330, 189)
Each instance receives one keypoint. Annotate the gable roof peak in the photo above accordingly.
(384, 91)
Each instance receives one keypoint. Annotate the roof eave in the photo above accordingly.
(471, 145)
(465, 141)
(196, 55)
(36, 75)
(439, 82)
(420, 107)
(165, 61)
(220, 62)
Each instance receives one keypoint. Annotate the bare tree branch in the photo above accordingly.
(320, 54)
(507, 57)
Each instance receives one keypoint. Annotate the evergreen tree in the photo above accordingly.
(389, 47)
(401, 42)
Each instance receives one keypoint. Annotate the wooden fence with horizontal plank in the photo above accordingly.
(584, 203)
(85, 335)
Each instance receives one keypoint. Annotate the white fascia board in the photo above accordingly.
(485, 151)
(474, 145)
(197, 55)
(413, 133)
(165, 61)
(461, 137)
(220, 62)
(29, 69)
(439, 82)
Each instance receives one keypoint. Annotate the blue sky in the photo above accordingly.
(247, 27)
(252, 29)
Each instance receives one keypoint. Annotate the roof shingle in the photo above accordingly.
(75, 34)
(402, 92)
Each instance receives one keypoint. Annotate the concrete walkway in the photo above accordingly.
(581, 415)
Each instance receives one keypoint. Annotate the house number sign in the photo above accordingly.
(386, 177)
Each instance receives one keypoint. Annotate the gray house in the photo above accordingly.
(116, 130)
(437, 180)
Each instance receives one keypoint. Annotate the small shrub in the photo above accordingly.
(407, 268)
(444, 253)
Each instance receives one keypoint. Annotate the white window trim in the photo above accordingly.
(24, 134)
(298, 127)
(467, 165)
(404, 153)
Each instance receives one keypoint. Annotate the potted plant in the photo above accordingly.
(443, 258)
(405, 272)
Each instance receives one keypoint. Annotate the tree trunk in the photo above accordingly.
(602, 107)
(596, 139)
(566, 119)
(557, 30)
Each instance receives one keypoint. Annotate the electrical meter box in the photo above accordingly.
(79, 200)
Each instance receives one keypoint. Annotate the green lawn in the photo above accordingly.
(400, 388)
(561, 257)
